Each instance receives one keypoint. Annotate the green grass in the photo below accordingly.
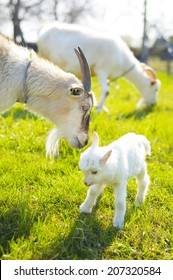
(40, 198)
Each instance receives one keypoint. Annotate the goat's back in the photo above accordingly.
(103, 51)
(132, 143)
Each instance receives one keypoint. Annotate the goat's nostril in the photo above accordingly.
(86, 142)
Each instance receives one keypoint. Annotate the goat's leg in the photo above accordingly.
(143, 181)
(92, 195)
(120, 204)
(102, 77)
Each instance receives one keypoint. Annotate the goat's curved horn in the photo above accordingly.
(86, 75)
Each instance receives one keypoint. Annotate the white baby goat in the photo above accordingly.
(114, 165)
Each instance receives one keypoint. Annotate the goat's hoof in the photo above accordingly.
(98, 109)
(138, 202)
(52, 155)
(105, 109)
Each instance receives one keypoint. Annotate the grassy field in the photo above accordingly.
(40, 198)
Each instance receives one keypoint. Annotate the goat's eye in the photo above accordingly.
(94, 172)
(85, 108)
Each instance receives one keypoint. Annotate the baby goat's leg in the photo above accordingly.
(92, 195)
(120, 203)
(143, 181)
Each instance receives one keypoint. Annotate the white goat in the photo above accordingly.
(114, 165)
(108, 56)
(48, 90)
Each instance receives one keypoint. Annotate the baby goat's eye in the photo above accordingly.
(94, 172)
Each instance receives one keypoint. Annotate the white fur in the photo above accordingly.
(114, 165)
(49, 91)
(108, 56)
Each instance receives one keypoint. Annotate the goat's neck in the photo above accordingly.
(136, 76)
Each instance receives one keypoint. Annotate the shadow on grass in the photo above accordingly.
(15, 223)
(19, 113)
(136, 114)
(87, 240)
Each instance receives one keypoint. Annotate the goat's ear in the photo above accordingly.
(95, 142)
(75, 91)
(105, 158)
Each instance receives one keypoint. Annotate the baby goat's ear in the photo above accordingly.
(105, 158)
(75, 91)
(95, 142)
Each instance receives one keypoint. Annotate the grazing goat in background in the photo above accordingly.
(47, 90)
(114, 165)
(108, 56)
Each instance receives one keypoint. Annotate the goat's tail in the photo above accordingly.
(146, 145)
(52, 143)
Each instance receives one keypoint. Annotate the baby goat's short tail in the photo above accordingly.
(146, 144)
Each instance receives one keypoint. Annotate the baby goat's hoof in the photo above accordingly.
(118, 224)
(84, 209)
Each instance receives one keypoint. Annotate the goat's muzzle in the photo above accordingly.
(87, 184)
(80, 145)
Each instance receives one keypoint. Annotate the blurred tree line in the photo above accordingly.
(19, 11)
(24, 14)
